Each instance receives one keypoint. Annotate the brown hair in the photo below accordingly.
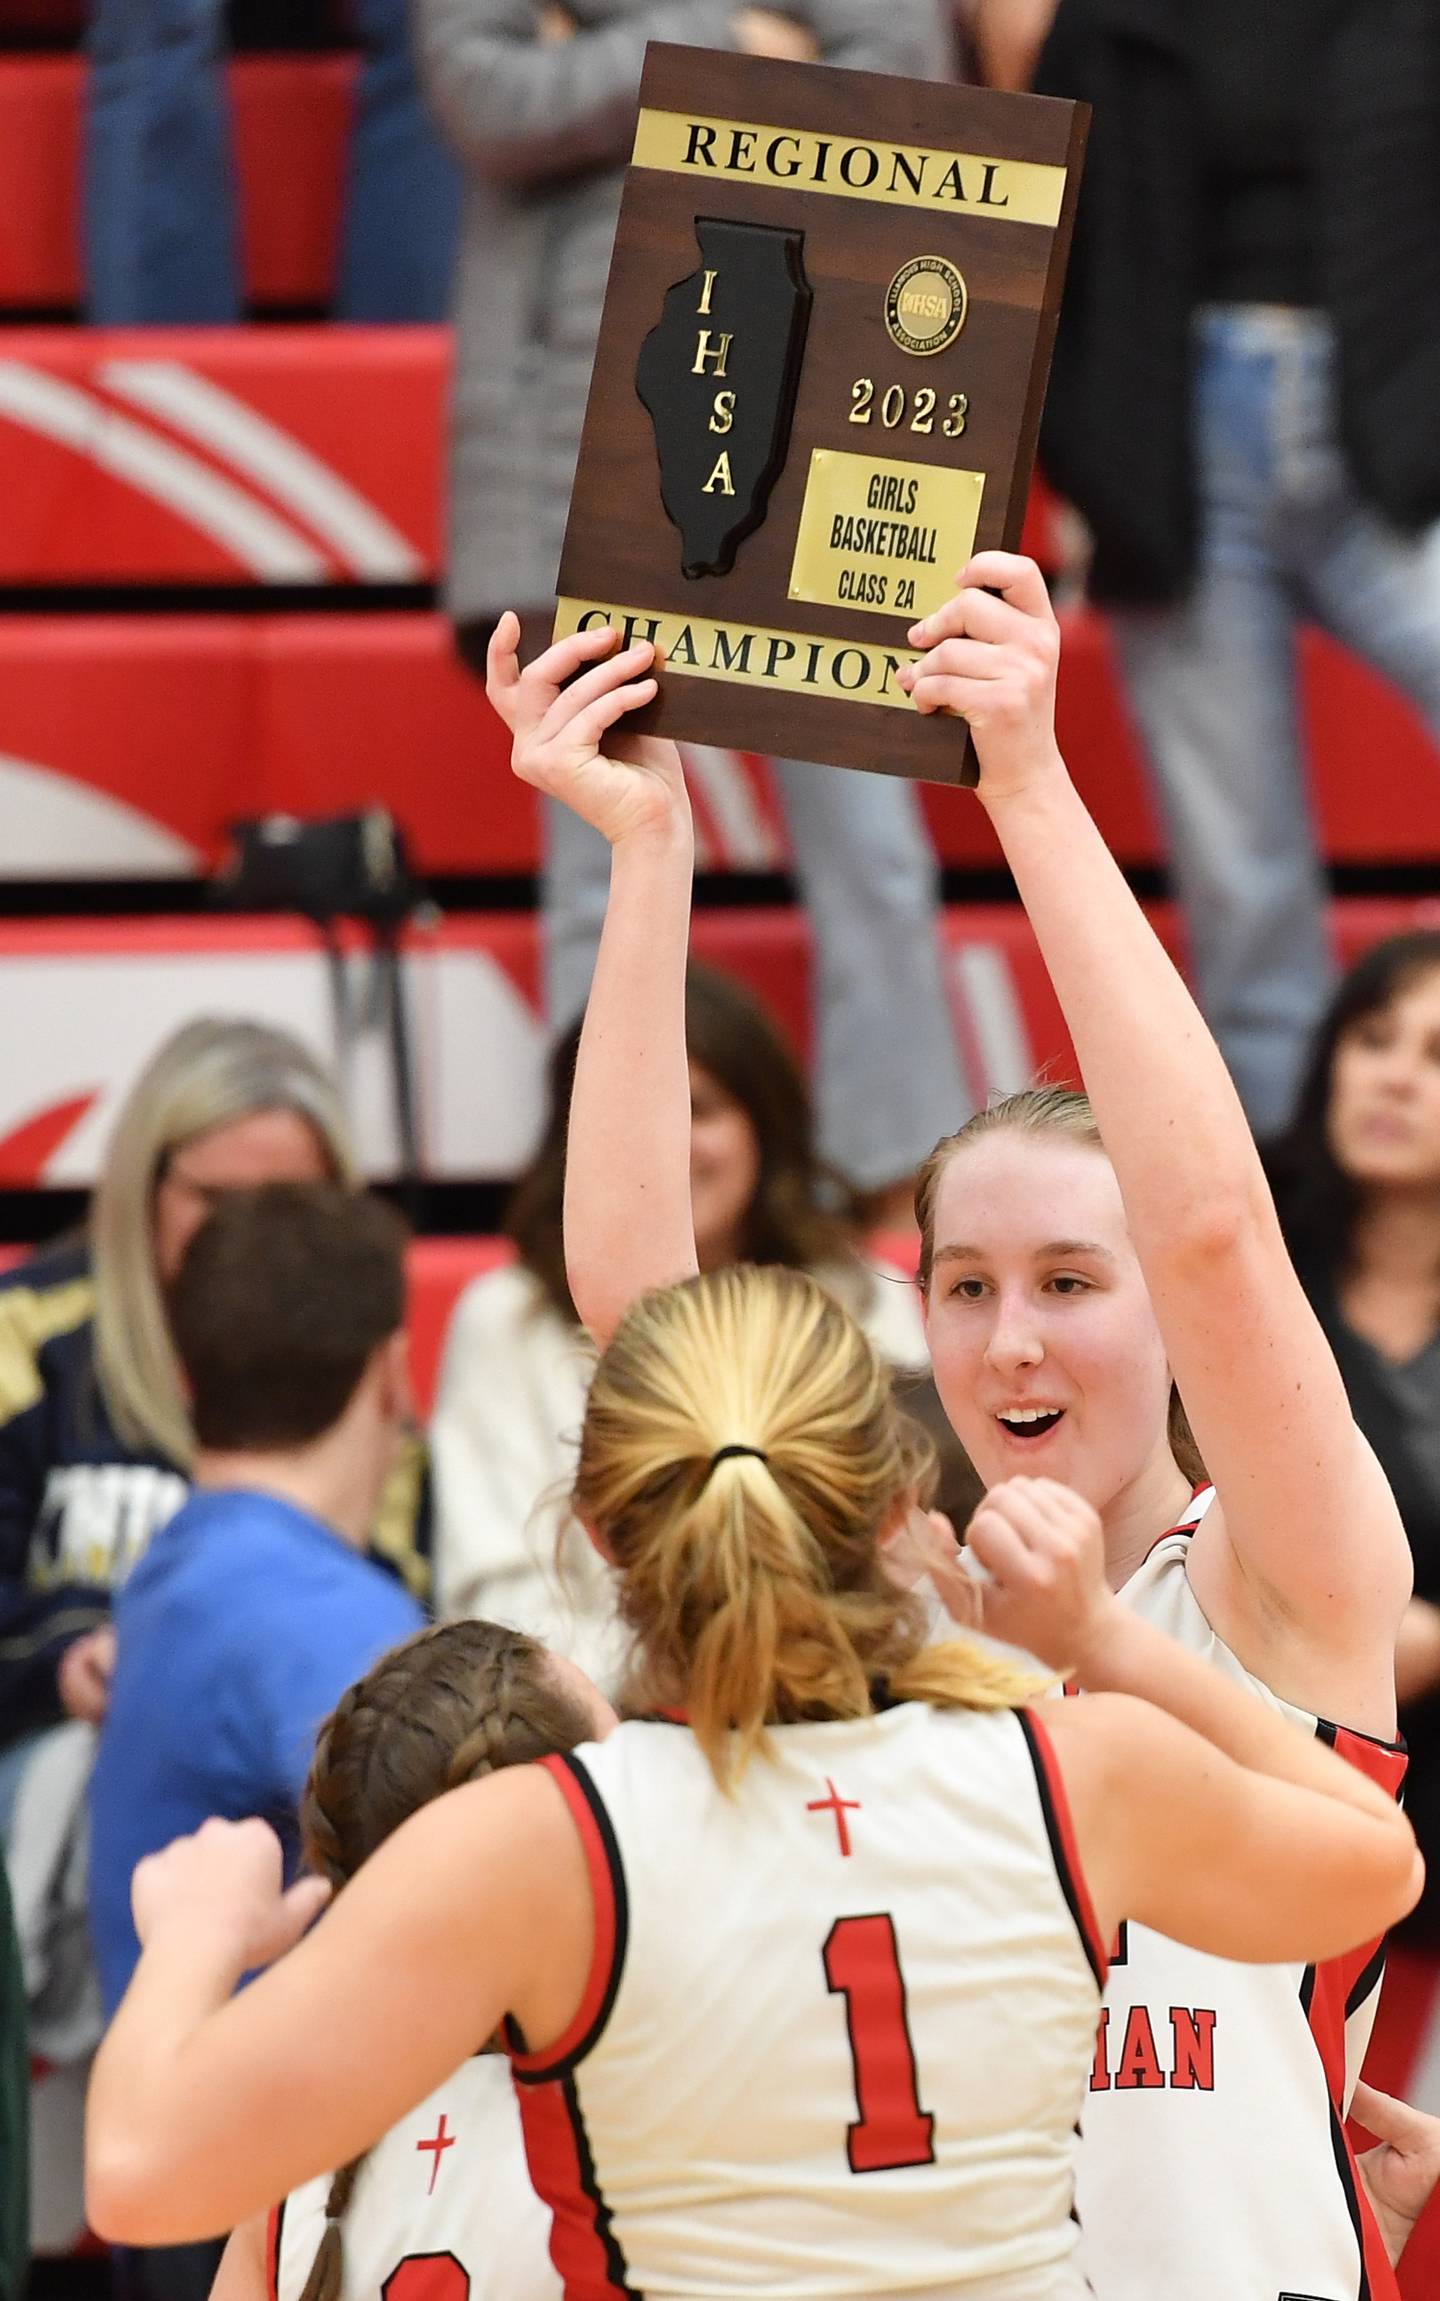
(452, 1704)
(1062, 1111)
(800, 1214)
(283, 1295)
(754, 1581)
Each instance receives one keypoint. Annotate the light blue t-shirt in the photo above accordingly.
(237, 1633)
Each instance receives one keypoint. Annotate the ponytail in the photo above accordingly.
(741, 1454)
(328, 2267)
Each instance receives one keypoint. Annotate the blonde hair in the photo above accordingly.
(1055, 1111)
(754, 1582)
(211, 1072)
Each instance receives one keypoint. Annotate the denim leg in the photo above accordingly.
(402, 208)
(1379, 593)
(161, 239)
(1212, 684)
(888, 1077)
(574, 887)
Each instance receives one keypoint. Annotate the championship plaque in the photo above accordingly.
(816, 393)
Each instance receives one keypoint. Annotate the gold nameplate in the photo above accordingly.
(792, 661)
(886, 536)
(901, 175)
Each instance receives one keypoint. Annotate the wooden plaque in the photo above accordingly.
(817, 391)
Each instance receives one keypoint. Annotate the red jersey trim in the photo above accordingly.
(1060, 1829)
(586, 2253)
(612, 1928)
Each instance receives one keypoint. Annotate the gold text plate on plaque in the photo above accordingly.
(883, 535)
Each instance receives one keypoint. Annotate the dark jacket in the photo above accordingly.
(1117, 438)
(77, 1505)
(1419, 1504)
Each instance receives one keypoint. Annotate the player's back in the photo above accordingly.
(442, 2209)
(837, 2034)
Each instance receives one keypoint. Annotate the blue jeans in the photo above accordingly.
(888, 1079)
(1284, 538)
(161, 235)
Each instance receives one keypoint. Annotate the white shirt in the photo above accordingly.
(504, 1436)
(1215, 2164)
(838, 2025)
(442, 2209)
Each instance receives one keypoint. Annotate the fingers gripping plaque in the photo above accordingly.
(718, 375)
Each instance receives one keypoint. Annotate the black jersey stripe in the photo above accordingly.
(540, 2073)
(1064, 1869)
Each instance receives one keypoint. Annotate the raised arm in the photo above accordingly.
(206, 2106)
(1309, 1554)
(628, 1221)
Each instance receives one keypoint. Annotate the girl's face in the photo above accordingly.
(266, 1146)
(1046, 1352)
(1384, 1115)
(724, 1169)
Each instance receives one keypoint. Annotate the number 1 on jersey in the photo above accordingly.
(862, 1965)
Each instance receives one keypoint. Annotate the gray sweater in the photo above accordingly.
(544, 131)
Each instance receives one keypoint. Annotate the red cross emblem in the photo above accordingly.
(439, 2141)
(839, 1807)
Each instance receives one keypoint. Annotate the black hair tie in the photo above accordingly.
(724, 1454)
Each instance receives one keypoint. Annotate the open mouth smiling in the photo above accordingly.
(1029, 1422)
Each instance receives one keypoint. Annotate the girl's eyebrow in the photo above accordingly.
(1057, 1249)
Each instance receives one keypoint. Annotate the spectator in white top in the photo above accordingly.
(517, 1364)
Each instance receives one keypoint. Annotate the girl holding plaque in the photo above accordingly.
(1087, 1264)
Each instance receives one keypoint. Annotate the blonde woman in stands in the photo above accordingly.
(517, 1362)
(1080, 1260)
(829, 1866)
(95, 1440)
(442, 2209)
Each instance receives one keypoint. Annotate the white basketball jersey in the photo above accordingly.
(442, 2210)
(838, 2026)
(1215, 2165)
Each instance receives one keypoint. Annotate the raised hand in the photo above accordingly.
(1043, 1554)
(992, 654)
(1400, 2175)
(634, 787)
(226, 1881)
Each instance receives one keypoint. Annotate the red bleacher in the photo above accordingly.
(145, 736)
(292, 119)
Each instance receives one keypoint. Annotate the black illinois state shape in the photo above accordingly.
(718, 375)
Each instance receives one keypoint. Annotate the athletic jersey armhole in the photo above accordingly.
(273, 2228)
(1060, 1829)
(607, 1959)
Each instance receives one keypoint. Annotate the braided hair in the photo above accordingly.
(454, 1703)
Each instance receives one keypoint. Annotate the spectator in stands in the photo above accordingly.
(1357, 1182)
(96, 1441)
(540, 105)
(516, 1365)
(1243, 407)
(162, 230)
(14, 2109)
(255, 1608)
